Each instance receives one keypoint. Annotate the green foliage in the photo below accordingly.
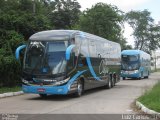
(22, 17)
(19, 19)
(9, 40)
(10, 89)
(103, 20)
(10, 71)
(124, 45)
(10, 67)
(151, 98)
(146, 33)
(66, 14)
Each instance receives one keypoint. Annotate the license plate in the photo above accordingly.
(130, 72)
(41, 90)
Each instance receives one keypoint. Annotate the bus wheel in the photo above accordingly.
(112, 82)
(109, 84)
(79, 88)
(114, 79)
(147, 75)
(43, 95)
(141, 75)
(123, 78)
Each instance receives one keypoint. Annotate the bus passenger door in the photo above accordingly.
(100, 61)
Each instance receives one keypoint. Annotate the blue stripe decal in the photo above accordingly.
(76, 76)
(89, 61)
(91, 68)
(68, 51)
(18, 51)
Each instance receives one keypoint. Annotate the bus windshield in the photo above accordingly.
(45, 57)
(130, 62)
(129, 58)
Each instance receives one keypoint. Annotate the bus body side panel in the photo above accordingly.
(105, 57)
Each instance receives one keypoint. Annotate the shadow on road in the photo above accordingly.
(86, 93)
(135, 79)
(67, 97)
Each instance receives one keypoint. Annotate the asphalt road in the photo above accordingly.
(117, 100)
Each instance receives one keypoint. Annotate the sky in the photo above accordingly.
(152, 6)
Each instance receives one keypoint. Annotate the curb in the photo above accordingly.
(10, 94)
(147, 110)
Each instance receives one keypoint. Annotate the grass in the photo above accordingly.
(151, 98)
(157, 70)
(12, 89)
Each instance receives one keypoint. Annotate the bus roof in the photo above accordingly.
(53, 34)
(50, 35)
(131, 52)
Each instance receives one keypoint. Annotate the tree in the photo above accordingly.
(10, 68)
(124, 45)
(103, 20)
(19, 19)
(146, 33)
(66, 14)
(20, 16)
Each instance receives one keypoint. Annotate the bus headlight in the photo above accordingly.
(136, 71)
(122, 71)
(66, 80)
(25, 81)
(62, 81)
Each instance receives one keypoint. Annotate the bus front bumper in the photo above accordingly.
(130, 74)
(55, 90)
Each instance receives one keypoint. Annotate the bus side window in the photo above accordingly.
(82, 61)
(72, 62)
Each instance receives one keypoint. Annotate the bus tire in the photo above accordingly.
(123, 78)
(112, 81)
(140, 77)
(80, 88)
(109, 83)
(43, 95)
(147, 76)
